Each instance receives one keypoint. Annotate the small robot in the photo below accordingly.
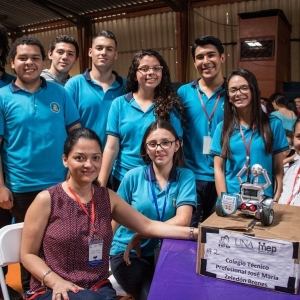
(251, 200)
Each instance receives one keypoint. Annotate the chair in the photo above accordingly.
(10, 241)
(116, 286)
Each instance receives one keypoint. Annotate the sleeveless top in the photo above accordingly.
(66, 239)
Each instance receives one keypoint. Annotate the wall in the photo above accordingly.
(158, 32)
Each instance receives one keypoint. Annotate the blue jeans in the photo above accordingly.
(206, 200)
(134, 279)
(105, 292)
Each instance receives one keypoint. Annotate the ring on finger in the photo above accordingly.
(57, 293)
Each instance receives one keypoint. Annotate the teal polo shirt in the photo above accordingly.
(128, 122)
(6, 78)
(197, 127)
(135, 189)
(92, 102)
(257, 153)
(33, 129)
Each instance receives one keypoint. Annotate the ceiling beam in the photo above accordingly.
(46, 4)
(177, 5)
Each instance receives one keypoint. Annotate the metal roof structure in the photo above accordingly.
(24, 14)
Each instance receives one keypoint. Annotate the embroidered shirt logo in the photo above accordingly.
(54, 107)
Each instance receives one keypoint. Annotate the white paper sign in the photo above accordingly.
(261, 262)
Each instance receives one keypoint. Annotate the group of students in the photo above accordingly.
(168, 155)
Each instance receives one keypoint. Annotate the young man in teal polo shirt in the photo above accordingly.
(204, 109)
(5, 79)
(94, 91)
(35, 118)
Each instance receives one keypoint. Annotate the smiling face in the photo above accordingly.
(208, 62)
(159, 156)
(103, 53)
(63, 58)
(239, 93)
(28, 65)
(84, 160)
(152, 78)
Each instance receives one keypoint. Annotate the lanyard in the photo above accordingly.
(293, 195)
(209, 118)
(92, 217)
(247, 147)
(160, 218)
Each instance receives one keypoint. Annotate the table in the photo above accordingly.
(176, 278)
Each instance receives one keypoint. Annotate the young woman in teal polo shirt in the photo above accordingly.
(247, 136)
(164, 191)
(150, 97)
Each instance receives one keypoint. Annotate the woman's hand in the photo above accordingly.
(61, 288)
(135, 243)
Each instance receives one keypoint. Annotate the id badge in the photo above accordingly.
(229, 203)
(206, 144)
(95, 252)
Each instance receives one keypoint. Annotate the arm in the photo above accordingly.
(6, 198)
(278, 173)
(110, 153)
(289, 159)
(219, 175)
(183, 216)
(35, 223)
(127, 216)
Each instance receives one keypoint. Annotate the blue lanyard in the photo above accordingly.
(166, 189)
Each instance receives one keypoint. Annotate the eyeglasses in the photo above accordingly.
(145, 69)
(244, 89)
(151, 146)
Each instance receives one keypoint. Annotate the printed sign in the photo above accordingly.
(241, 258)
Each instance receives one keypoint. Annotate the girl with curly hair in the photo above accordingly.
(150, 97)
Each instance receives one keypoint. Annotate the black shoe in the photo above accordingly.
(13, 294)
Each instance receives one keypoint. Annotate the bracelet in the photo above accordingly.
(192, 236)
(44, 275)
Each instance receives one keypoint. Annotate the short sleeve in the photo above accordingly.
(71, 113)
(176, 123)
(216, 148)
(112, 126)
(280, 142)
(187, 188)
(125, 188)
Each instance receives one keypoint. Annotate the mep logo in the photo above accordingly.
(224, 241)
(264, 248)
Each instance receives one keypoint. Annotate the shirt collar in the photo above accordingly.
(16, 88)
(172, 176)
(128, 96)
(87, 76)
(195, 83)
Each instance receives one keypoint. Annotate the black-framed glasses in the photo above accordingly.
(244, 89)
(151, 146)
(145, 69)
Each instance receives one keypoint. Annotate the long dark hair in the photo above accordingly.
(166, 99)
(258, 118)
(178, 158)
